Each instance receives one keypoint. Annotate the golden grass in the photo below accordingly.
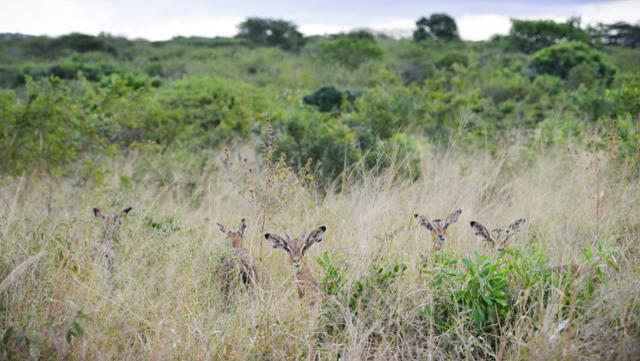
(163, 301)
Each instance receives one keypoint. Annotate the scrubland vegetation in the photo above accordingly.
(356, 132)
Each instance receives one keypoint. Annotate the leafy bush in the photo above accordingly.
(349, 51)
(447, 60)
(325, 141)
(45, 132)
(328, 98)
(561, 59)
(82, 43)
(530, 36)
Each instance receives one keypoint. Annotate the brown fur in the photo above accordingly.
(306, 284)
(438, 227)
(237, 266)
(104, 252)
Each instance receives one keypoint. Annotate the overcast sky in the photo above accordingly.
(163, 19)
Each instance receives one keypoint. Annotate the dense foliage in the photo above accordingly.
(436, 26)
(334, 101)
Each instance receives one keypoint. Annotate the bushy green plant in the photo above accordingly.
(484, 292)
(530, 36)
(349, 51)
(561, 59)
(82, 43)
(326, 142)
(328, 98)
(447, 60)
(43, 132)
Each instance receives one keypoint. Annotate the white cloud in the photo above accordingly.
(323, 29)
(52, 17)
(609, 12)
(482, 27)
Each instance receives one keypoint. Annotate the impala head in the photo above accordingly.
(111, 221)
(296, 247)
(438, 227)
(236, 236)
(497, 237)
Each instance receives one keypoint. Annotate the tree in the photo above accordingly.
(270, 32)
(437, 26)
(530, 36)
(574, 60)
(620, 33)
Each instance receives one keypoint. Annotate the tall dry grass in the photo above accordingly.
(163, 301)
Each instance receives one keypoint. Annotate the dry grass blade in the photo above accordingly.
(15, 274)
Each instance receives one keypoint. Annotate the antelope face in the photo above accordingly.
(296, 247)
(111, 221)
(438, 227)
(237, 236)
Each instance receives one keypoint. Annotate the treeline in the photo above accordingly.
(337, 100)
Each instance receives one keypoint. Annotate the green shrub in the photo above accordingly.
(560, 60)
(532, 35)
(82, 43)
(328, 98)
(325, 141)
(44, 132)
(447, 60)
(350, 52)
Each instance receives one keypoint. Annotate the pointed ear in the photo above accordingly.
(277, 241)
(481, 231)
(314, 237)
(221, 228)
(98, 214)
(515, 226)
(423, 221)
(242, 226)
(452, 218)
(127, 210)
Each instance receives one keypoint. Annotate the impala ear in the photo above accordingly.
(98, 214)
(515, 226)
(481, 231)
(315, 236)
(221, 228)
(423, 221)
(452, 218)
(242, 226)
(277, 241)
